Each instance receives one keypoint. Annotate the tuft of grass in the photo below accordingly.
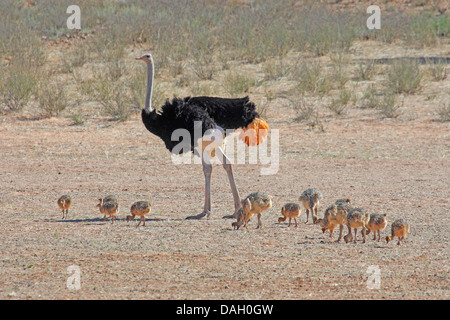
(311, 79)
(114, 98)
(274, 70)
(437, 70)
(18, 83)
(404, 76)
(304, 110)
(77, 118)
(235, 83)
(306, 113)
(339, 105)
(365, 71)
(204, 68)
(370, 97)
(326, 31)
(52, 99)
(75, 59)
(388, 106)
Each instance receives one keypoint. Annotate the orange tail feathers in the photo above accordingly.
(255, 133)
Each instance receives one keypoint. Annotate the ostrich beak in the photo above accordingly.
(139, 58)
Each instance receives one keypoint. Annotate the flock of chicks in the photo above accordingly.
(339, 213)
(109, 206)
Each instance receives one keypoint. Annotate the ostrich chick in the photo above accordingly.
(289, 210)
(310, 199)
(399, 229)
(255, 203)
(377, 222)
(140, 208)
(357, 217)
(64, 203)
(108, 208)
(334, 215)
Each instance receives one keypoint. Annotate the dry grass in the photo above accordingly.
(52, 99)
(405, 76)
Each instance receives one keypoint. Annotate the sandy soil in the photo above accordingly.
(394, 166)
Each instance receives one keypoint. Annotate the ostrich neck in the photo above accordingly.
(148, 97)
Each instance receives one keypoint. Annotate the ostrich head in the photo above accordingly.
(147, 58)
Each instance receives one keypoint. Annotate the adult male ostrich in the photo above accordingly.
(215, 115)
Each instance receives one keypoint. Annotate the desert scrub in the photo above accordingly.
(339, 104)
(388, 105)
(275, 69)
(113, 96)
(18, 85)
(77, 58)
(365, 70)
(52, 99)
(204, 67)
(303, 109)
(306, 113)
(404, 76)
(370, 97)
(325, 30)
(437, 69)
(235, 83)
(311, 79)
(425, 29)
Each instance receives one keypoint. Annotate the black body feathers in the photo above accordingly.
(210, 111)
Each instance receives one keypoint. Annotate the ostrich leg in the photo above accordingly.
(207, 170)
(227, 166)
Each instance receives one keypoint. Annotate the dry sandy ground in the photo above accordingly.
(399, 166)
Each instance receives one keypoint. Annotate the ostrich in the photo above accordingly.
(214, 115)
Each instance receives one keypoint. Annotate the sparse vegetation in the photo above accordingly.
(114, 98)
(200, 47)
(306, 113)
(404, 76)
(236, 84)
(17, 86)
(370, 97)
(438, 70)
(389, 106)
(339, 104)
(365, 71)
(52, 99)
(310, 78)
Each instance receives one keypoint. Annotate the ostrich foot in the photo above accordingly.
(204, 214)
(232, 216)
